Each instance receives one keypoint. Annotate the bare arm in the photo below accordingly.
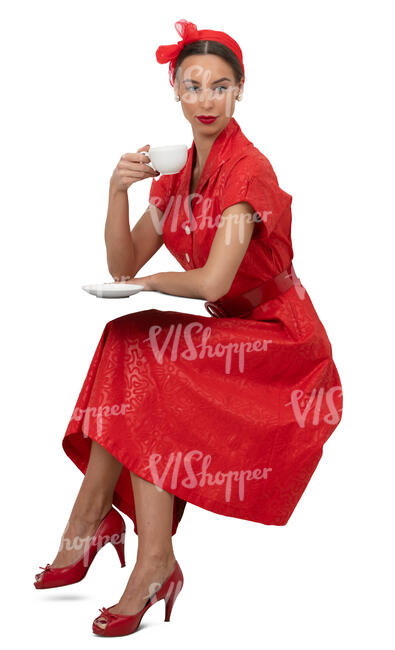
(117, 236)
(214, 279)
(128, 251)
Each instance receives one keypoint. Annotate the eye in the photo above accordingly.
(192, 87)
(218, 87)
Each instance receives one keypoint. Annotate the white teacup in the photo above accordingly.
(169, 159)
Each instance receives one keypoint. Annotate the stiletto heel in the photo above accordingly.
(111, 529)
(120, 548)
(170, 600)
(121, 624)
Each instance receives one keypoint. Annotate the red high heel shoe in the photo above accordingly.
(121, 624)
(111, 529)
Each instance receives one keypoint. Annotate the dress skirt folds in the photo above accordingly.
(229, 414)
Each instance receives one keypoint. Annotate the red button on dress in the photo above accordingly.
(229, 414)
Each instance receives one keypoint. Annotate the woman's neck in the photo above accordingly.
(203, 146)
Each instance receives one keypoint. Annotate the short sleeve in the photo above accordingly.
(161, 190)
(255, 182)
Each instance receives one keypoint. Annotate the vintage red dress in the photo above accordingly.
(229, 414)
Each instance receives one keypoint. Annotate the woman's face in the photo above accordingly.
(206, 86)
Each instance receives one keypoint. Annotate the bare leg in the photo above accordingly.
(155, 556)
(93, 502)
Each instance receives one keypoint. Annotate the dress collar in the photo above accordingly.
(220, 151)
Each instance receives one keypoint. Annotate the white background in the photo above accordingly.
(81, 86)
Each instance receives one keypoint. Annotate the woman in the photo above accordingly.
(229, 413)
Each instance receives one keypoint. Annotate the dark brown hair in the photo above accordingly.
(210, 47)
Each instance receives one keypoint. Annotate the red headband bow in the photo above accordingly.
(189, 33)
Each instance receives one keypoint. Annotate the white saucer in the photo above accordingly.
(112, 290)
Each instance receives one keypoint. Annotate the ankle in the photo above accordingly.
(93, 515)
(155, 559)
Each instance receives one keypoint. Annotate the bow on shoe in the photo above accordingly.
(104, 612)
(45, 568)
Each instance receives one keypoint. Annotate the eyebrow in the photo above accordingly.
(214, 82)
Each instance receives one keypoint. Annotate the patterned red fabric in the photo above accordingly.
(229, 414)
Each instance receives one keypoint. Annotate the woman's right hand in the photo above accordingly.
(131, 168)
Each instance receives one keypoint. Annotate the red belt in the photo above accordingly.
(244, 303)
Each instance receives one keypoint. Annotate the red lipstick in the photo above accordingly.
(206, 119)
